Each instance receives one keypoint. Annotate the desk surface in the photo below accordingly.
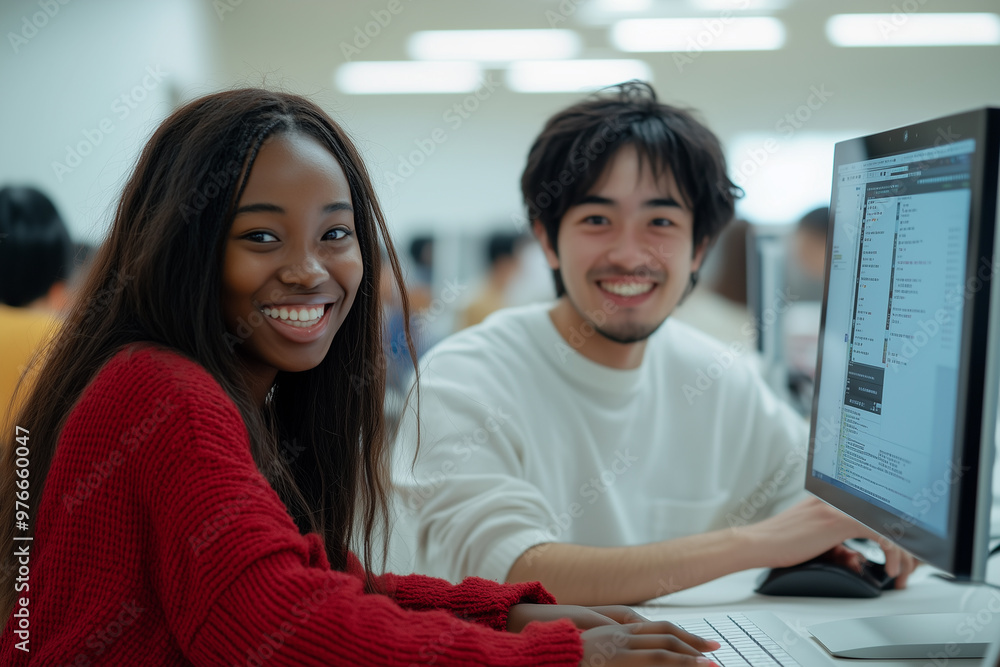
(926, 593)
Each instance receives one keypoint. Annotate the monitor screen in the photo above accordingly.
(896, 434)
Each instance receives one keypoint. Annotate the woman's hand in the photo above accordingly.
(582, 617)
(649, 643)
(616, 636)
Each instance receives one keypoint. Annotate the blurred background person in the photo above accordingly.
(420, 277)
(35, 263)
(718, 303)
(399, 366)
(504, 264)
(806, 274)
(807, 268)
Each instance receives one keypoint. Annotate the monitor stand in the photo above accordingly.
(913, 636)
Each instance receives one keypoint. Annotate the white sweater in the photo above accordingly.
(526, 441)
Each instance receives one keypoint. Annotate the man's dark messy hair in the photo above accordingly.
(576, 145)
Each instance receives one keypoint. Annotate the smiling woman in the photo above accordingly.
(292, 254)
(197, 461)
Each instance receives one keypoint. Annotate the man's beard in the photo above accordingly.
(628, 333)
(625, 333)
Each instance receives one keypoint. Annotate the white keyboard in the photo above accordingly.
(753, 639)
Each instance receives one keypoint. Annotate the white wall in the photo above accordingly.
(85, 91)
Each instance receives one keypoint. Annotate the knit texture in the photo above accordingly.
(158, 542)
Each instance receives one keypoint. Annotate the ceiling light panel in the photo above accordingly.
(714, 33)
(564, 76)
(494, 45)
(407, 77)
(914, 29)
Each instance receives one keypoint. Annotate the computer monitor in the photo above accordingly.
(767, 301)
(903, 418)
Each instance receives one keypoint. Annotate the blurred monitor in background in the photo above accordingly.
(718, 305)
(35, 263)
(503, 265)
(806, 270)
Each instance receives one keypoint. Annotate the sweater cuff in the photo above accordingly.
(529, 592)
(555, 642)
(487, 603)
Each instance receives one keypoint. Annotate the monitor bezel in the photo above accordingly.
(962, 551)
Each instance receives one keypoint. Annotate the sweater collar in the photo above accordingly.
(578, 368)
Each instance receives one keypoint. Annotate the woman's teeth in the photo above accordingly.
(296, 317)
(627, 289)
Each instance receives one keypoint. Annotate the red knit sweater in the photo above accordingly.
(158, 542)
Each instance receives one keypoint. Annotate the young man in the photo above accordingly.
(593, 444)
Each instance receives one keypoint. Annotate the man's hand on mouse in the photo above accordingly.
(855, 560)
(811, 528)
(898, 563)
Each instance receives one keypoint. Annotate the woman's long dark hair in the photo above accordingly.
(163, 258)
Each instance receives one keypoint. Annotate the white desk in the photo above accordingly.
(925, 593)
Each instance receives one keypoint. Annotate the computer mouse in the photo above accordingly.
(826, 578)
